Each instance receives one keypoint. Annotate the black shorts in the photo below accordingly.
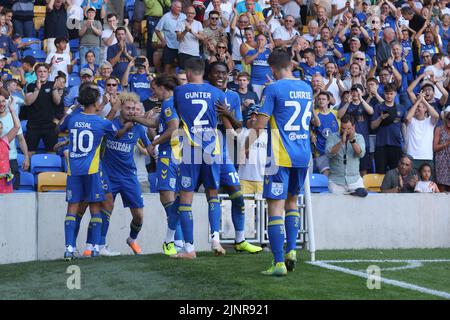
(33, 136)
(169, 55)
(182, 58)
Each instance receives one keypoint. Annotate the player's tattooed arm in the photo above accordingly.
(148, 122)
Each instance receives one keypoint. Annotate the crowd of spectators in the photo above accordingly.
(378, 68)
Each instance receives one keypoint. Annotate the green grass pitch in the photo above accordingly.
(234, 276)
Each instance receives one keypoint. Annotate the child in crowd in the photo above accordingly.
(425, 184)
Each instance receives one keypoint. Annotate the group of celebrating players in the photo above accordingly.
(193, 119)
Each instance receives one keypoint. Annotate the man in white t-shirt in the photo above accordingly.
(59, 60)
(420, 131)
(340, 6)
(437, 70)
(285, 35)
(189, 34)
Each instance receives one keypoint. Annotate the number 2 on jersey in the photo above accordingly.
(197, 120)
(289, 126)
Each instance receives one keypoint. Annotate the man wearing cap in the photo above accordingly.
(344, 150)
(90, 33)
(86, 75)
(5, 73)
(344, 62)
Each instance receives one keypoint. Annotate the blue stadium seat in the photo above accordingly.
(26, 181)
(74, 45)
(45, 162)
(39, 55)
(34, 46)
(20, 158)
(318, 183)
(76, 69)
(74, 80)
(23, 124)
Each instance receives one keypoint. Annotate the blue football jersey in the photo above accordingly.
(168, 113)
(288, 103)
(86, 132)
(140, 84)
(234, 105)
(118, 155)
(195, 104)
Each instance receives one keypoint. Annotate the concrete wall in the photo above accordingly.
(382, 221)
(18, 227)
(31, 225)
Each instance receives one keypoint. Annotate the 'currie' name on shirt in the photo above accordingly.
(86, 125)
(299, 95)
(198, 95)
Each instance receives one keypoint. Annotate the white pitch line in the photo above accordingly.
(409, 265)
(386, 260)
(401, 284)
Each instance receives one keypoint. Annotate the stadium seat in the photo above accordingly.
(52, 181)
(39, 55)
(26, 181)
(373, 181)
(318, 183)
(75, 69)
(74, 80)
(74, 45)
(20, 158)
(34, 46)
(45, 162)
(40, 11)
(23, 124)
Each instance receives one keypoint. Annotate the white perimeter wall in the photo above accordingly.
(32, 225)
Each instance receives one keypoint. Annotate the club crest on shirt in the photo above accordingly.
(130, 135)
(277, 188)
(186, 182)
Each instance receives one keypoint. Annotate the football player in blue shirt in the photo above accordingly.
(195, 103)
(230, 119)
(86, 131)
(168, 153)
(119, 166)
(286, 106)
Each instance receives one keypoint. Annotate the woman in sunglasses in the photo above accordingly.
(221, 54)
